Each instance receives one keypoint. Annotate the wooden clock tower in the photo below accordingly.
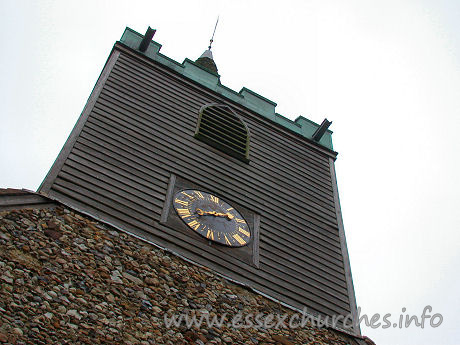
(165, 152)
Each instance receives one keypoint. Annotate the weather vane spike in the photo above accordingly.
(212, 38)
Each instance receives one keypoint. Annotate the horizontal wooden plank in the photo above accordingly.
(322, 253)
(326, 256)
(115, 183)
(119, 137)
(79, 156)
(330, 207)
(143, 95)
(64, 191)
(122, 110)
(295, 246)
(152, 135)
(117, 201)
(195, 97)
(11, 199)
(28, 206)
(21, 199)
(192, 92)
(333, 274)
(332, 236)
(305, 282)
(281, 227)
(142, 170)
(176, 144)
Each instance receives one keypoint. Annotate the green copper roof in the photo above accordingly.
(245, 97)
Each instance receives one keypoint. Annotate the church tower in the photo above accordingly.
(166, 153)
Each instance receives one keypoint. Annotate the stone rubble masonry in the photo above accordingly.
(66, 279)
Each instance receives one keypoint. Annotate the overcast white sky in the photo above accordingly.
(387, 73)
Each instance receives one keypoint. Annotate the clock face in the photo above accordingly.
(212, 217)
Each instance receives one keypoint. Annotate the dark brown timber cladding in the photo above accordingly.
(140, 131)
(14, 199)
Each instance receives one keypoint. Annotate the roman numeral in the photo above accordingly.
(210, 235)
(199, 194)
(229, 209)
(239, 239)
(244, 232)
(227, 241)
(189, 196)
(194, 224)
(214, 199)
(181, 202)
(184, 212)
(238, 220)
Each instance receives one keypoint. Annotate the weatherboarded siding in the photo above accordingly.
(137, 130)
(14, 199)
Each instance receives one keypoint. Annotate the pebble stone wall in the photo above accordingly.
(67, 279)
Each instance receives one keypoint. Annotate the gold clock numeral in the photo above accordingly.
(189, 196)
(181, 202)
(199, 194)
(229, 209)
(238, 220)
(210, 234)
(244, 232)
(214, 199)
(239, 239)
(184, 212)
(227, 241)
(194, 224)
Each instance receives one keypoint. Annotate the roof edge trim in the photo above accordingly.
(245, 97)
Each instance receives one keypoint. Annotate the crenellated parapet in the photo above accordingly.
(245, 96)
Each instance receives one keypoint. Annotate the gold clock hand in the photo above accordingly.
(200, 212)
(227, 215)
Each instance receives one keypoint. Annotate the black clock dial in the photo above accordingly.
(212, 217)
